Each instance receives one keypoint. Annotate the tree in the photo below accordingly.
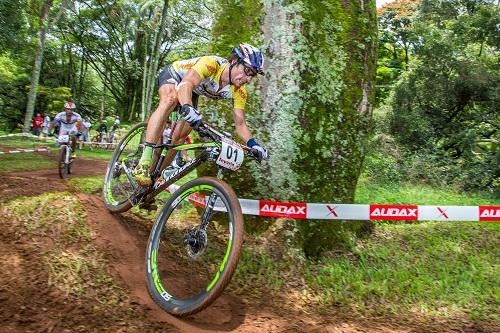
(315, 101)
(395, 26)
(152, 56)
(396, 43)
(446, 106)
(13, 24)
(45, 25)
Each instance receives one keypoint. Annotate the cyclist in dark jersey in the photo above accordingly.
(183, 81)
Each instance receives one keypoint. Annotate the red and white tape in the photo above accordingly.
(29, 135)
(21, 150)
(45, 138)
(319, 211)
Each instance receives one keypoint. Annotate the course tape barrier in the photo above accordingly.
(21, 150)
(320, 211)
(45, 138)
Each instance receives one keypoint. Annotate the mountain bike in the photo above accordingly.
(65, 151)
(195, 242)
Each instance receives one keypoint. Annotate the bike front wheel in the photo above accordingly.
(118, 186)
(63, 166)
(194, 246)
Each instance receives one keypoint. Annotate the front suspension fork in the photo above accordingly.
(209, 208)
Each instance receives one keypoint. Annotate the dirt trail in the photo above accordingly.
(123, 240)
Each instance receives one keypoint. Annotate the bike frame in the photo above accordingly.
(68, 149)
(162, 178)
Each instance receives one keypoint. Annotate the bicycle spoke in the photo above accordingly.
(191, 246)
(120, 185)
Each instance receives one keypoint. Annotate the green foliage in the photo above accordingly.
(447, 104)
(396, 43)
(13, 79)
(434, 269)
(51, 100)
(13, 23)
(226, 34)
(24, 162)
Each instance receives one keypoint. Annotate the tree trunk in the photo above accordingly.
(315, 110)
(154, 57)
(35, 76)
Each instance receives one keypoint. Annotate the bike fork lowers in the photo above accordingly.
(209, 208)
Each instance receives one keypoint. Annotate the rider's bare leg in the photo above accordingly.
(181, 132)
(157, 120)
(156, 124)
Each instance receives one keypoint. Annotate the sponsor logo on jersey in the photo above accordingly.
(489, 213)
(186, 65)
(283, 209)
(393, 212)
(242, 93)
(211, 69)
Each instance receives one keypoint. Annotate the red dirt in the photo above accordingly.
(29, 304)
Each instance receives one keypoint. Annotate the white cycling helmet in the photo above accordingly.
(69, 105)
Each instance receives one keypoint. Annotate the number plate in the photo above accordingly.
(63, 138)
(231, 155)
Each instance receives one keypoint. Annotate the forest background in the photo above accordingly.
(392, 105)
(414, 100)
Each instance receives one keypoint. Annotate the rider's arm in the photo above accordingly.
(52, 124)
(186, 87)
(79, 125)
(241, 125)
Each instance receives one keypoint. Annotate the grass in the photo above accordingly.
(58, 221)
(26, 142)
(24, 162)
(96, 154)
(434, 269)
(89, 185)
(418, 194)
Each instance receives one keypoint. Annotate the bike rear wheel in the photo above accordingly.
(188, 266)
(63, 167)
(118, 189)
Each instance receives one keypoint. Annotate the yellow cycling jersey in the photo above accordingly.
(210, 69)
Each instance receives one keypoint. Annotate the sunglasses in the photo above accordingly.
(249, 71)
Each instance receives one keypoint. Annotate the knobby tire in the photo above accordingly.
(117, 199)
(62, 165)
(180, 279)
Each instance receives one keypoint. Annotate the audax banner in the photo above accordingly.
(319, 211)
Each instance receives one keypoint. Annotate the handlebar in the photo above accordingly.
(210, 132)
(207, 131)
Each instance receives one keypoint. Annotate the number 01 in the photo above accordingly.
(230, 152)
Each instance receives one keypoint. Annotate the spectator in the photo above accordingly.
(102, 130)
(46, 124)
(37, 124)
(114, 128)
(86, 125)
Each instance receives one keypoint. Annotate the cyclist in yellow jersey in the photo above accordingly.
(182, 82)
